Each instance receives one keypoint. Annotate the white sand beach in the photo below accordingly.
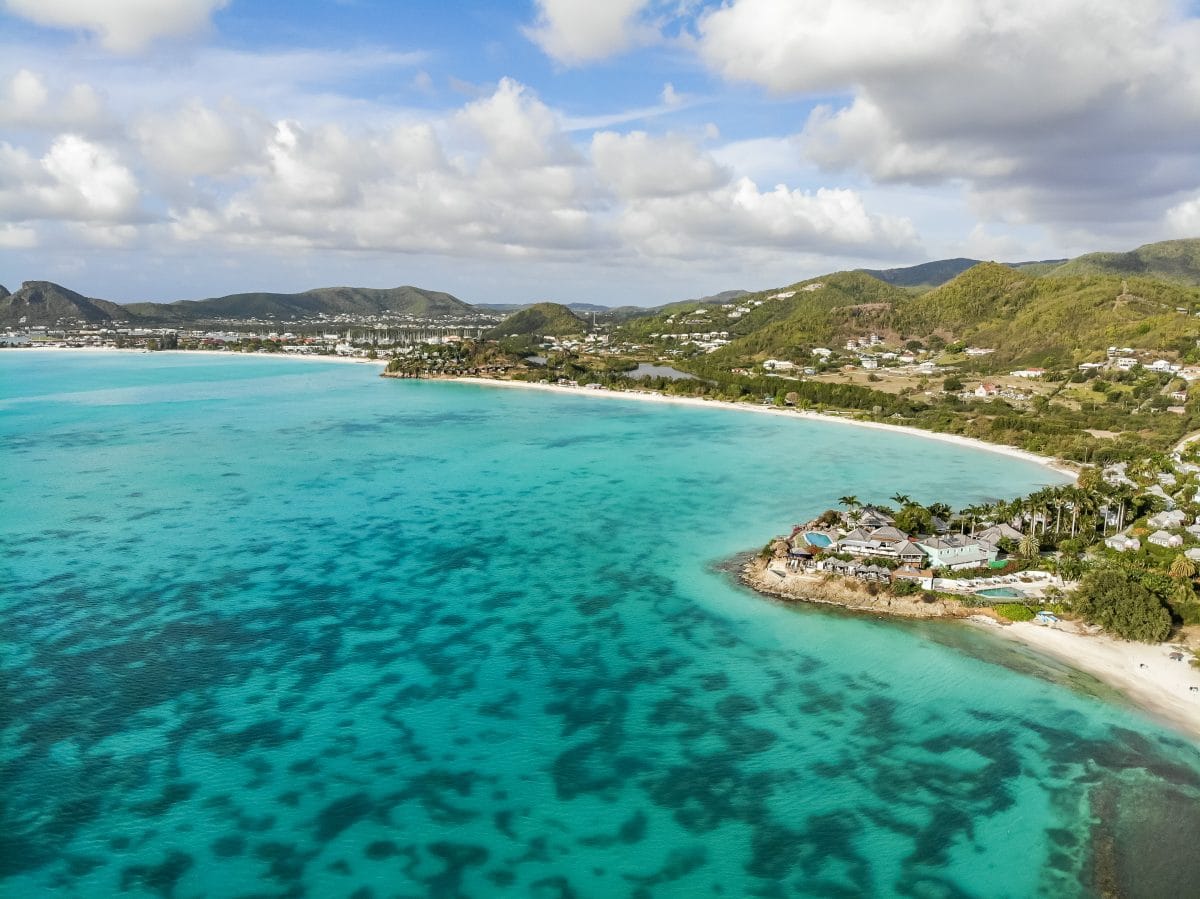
(650, 396)
(1143, 672)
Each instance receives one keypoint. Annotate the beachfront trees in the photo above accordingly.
(1029, 546)
(914, 519)
(1117, 601)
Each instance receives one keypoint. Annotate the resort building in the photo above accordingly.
(955, 551)
(998, 532)
(1122, 543)
(887, 542)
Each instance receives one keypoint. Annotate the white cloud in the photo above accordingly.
(16, 237)
(740, 215)
(27, 102)
(195, 139)
(1052, 112)
(76, 180)
(516, 128)
(1183, 219)
(123, 26)
(581, 31)
(638, 165)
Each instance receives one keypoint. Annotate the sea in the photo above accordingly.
(285, 628)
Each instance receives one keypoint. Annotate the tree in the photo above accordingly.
(952, 384)
(901, 499)
(1182, 567)
(1030, 546)
(914, 519)
(849, 501)
(1114, 599)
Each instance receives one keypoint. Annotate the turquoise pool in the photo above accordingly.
(1001, 593)
(815, 539)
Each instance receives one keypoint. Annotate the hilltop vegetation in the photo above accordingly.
(1026, 319)
(540, 320)
(1052, 320)
(1177, 261)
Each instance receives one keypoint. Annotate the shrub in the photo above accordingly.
(1116, 601)
(1013, 611)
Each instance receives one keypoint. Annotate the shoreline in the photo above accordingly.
(1056, 465)
(1142, 673)
(224, 354)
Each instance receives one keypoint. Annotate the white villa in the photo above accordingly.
(955, 551)
(1165, 538)
(1122, 543)
(887, 541)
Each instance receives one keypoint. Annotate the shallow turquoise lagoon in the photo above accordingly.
(282, 628)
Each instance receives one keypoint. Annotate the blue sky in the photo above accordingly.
(624, 152)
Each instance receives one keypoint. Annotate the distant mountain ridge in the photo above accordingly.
(46, 303)
(934, 274)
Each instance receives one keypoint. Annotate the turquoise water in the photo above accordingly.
(815, 539)
(284, 628)
(1001, 593)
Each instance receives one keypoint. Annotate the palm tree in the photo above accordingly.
(1030, 546)
(1182, 567)
(850, 502)
(901, 499)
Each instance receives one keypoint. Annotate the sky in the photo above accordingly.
(616, 152)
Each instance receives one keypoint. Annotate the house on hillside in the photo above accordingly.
(1172, 519)
(986, 389)
(1165, 539)
(1121, 543)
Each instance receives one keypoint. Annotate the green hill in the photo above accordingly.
(540, 320)
(780, 322)
(46, 303)
(293, 306)
(1053, 319)
(1177, 261)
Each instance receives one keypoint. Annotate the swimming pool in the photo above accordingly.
(816, 539)
(1001, 593)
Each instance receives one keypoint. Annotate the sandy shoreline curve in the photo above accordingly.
(1143, 673)
(1056, 465)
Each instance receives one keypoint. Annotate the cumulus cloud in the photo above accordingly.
(581, 31)
(638, 165)
(1053, 112)
(1183, 219)
(76, 180)
(122, 26)
(196, 139)
(740, 215)
(27, 102)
